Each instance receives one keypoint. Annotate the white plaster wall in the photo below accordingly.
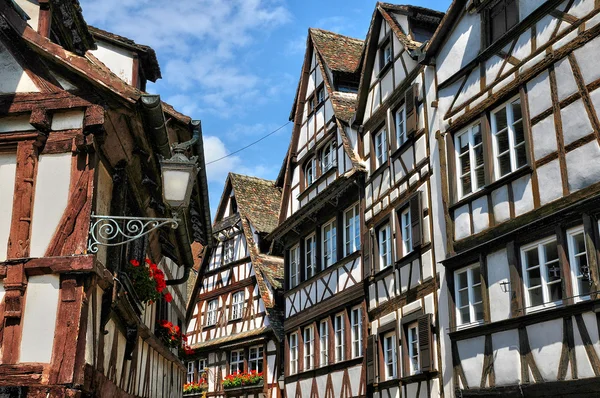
(587, 58)
(51, 197)
(8, 166)
(580, 170)
(538, 94)
(462, 222)
(522, 195)
(13, 78)
(118, 60)
(67, 120)
(461, 47)
(575, 122)
(39, 318)
(498, 272)
(32, 9)
(526, 7)
(480, 215)
(11, 124)
(544, 137)
(470, 352)
(549, 182)
(507, 359)
(545, 340)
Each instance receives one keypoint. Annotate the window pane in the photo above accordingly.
(462, 280)
(555, 291)
(502, 140)
(500, 118)
(534, 277)
(535, 296)
(478, 311)
(465, 315)
(532, 258)
(504, 162)
(477, 294)
(551, 250)
(463, 297)
(521, 155)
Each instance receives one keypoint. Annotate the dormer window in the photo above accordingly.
(501, 16)
(310, 172)
(327, 157)
(386, 55)
(320, 95)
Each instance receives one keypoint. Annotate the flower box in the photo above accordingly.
(243, 380)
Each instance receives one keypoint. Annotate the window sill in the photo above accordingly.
(324, 370)
(469, 325)
(544, 307)
(320, 179)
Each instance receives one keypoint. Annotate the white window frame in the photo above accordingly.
(406, 225)
(324, 343)
(573, 257)
(309, 348)
(202, 364)
(380, 147)
(328, 161)
(388, 54)
(190, 371)
(413, 348)
(352, 230)
(228, 251)
(512, 146)
(294, 266)
(329, 246)
(390, 357)
(385, 246)
(310, 172)
(320, 95)
(211, 312)
(256, 358)
(293, 353)
(473, 167)
(238, 364)
(400, 121)
(546, 303)
(338, 331)
(472, 284)
(356, 331)
(310, 256)
(237, 305)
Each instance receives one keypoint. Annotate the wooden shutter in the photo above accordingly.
(367, 254)
(488, 156)
(410, 99)
(425, 344)
(415, 220)
(371, 359)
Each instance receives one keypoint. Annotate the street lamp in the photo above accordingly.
(281, 382)
(178, 176)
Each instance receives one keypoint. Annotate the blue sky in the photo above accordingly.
(234, 64)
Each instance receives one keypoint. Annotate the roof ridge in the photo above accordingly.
(272, 182)
(336, 34)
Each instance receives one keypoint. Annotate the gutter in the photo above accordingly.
(154, 121)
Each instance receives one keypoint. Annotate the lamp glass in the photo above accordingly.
(176, 182)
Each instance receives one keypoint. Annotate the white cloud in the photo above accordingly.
(296, 46)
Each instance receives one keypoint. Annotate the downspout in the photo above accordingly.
(155, 121)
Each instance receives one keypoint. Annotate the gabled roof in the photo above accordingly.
(146, 54)
(443, 30)
(340, 53)
(258, 200)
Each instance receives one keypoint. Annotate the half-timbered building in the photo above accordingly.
(235, 318)
(80, 139)
(320, 226)
(516, 146)
(398, 257)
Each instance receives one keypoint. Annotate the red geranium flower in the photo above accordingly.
(168, 297)
(135, 263)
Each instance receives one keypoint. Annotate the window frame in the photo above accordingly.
(339, 337)
(310, 256)
(309, 348)
(319, 95)
(237, 306)
(324, 342)
(390, 353)
(575, 278)
(488, 20)
(211, 314)
(325, 167)
(382, 157)
(310, 178)
(293, 353)
(387, 226)
(401, 134)
(543, 272)
(410, 348)
(258, 360)
(510, 122)
(383, 59)
(471, 285)
(329, 257)
(356, 332)
(294, 257)
(352, 245)
(239, 361)
(191, 374)
(228, 251)
(406, 231)
(472, 160)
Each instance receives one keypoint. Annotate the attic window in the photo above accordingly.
(501, 16)
(320, 95)
(386, 54)
(234, 207)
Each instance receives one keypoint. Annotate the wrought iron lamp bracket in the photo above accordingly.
(104, 229)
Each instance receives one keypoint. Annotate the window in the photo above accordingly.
(580, 270)
(469, 160)
(255, 358)
(236, 362)
(190, 372)
(320, 95)
(237, 305)
(294, 266)
(400, 126)
(385, 246)
(502, 15)
(380, 147)
(389, 355)
(328, 157)
(469, 304)
(339, 338)
(309, 348)
(324, 343)
(310, 172)
(413, 348)
(541, 273)
(356, 325)
(202, 365)
(311, 104)
(329, 244)
(228, 251)
(406, 225)
(386, 55)
(293, 353)
(509, 138)
(311, 256)
(351, 230)
(211, 312)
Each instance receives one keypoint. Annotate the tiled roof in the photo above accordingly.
(343, 104)
(257, 199)
(340, 53)
(422, 14)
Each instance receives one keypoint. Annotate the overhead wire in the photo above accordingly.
(249, 145)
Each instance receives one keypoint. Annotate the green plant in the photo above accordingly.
(148, 281)
(241, 379)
